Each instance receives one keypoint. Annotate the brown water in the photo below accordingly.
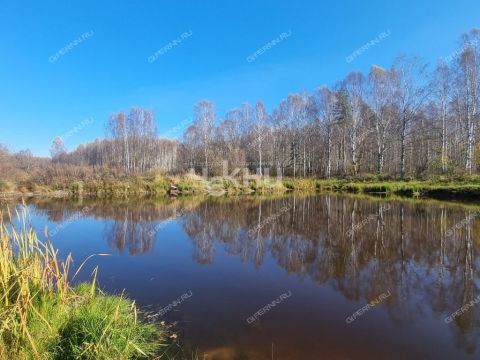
(316, 260)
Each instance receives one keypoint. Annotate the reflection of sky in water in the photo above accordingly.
(332, 266)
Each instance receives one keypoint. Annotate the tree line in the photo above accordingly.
(400, 121)
(131, 145)
(407, 120)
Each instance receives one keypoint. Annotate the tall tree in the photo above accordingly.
(326, 103)
(57, 150)
(259, 130)
(380, 96)
(409, 94)
(468, 66)
(354, 88)
(205, 117)
(442, 95)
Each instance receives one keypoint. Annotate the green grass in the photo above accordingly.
(188, 184)
(43, 317)
(104, 327)
(427, 188)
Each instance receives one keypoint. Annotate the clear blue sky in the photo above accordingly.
(109, 71)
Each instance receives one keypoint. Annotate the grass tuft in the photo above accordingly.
(43, 317)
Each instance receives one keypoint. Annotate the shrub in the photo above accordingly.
(104, 327)
(5, 185)
(77, 187)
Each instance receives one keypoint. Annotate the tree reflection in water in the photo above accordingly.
(360, 247)
(403, 248)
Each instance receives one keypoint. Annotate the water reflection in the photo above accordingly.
(423, 253)
(132, 226)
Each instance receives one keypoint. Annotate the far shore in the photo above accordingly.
(138, 186)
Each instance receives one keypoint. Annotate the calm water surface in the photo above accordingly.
(225, 259)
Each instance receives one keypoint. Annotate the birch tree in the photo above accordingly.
(259, 131)
(380, 100)
(326, 102)
(354, 87)
(468, 91)
(442, 95)
(205, 118)
(409, 94)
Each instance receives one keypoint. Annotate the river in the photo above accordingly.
(291, 277)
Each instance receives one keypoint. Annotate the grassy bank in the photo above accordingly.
(140, 186)
(426, 188)
(43, 317)
(463, 187)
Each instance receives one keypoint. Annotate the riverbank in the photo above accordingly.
(445, 188)
(42, 316)
(467, 187)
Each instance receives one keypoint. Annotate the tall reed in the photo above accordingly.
(43, 317)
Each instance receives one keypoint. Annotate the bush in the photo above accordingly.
(288, 184)
(5, 185)
(104, 327)
(77, 187)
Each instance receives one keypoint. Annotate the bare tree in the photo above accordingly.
(259, 130)
(390, 122)
(205, 118)
(326, 103)
(380, 103)
(354, 87)
(57, 150)
(410, 93)
(468, 65)
(442, 94)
